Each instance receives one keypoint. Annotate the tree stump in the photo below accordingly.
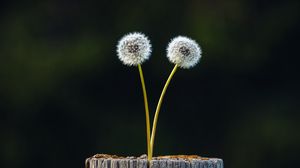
(173, 161)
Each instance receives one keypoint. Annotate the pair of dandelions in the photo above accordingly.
(135, 48)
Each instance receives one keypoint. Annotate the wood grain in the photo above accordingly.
(156, 162)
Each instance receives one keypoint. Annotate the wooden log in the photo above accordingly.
(173, 161)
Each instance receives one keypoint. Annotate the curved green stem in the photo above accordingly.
(158, 107)
(147, 112)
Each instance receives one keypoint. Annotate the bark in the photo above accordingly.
(156, 162)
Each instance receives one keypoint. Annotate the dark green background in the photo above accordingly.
(65, 96)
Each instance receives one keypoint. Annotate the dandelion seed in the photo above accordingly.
(134, 49)
(184, 52)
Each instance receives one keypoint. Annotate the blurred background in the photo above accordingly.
(65, 96)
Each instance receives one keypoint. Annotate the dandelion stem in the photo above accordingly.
(147, 112)
(158, 107)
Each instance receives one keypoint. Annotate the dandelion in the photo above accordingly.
(185, 53)
(134, 49)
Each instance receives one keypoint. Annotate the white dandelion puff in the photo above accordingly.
(184, 52)
(134, 49)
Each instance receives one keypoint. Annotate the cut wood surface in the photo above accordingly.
(175, 161)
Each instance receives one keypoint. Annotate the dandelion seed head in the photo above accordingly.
(134, 49)
(184, 52)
